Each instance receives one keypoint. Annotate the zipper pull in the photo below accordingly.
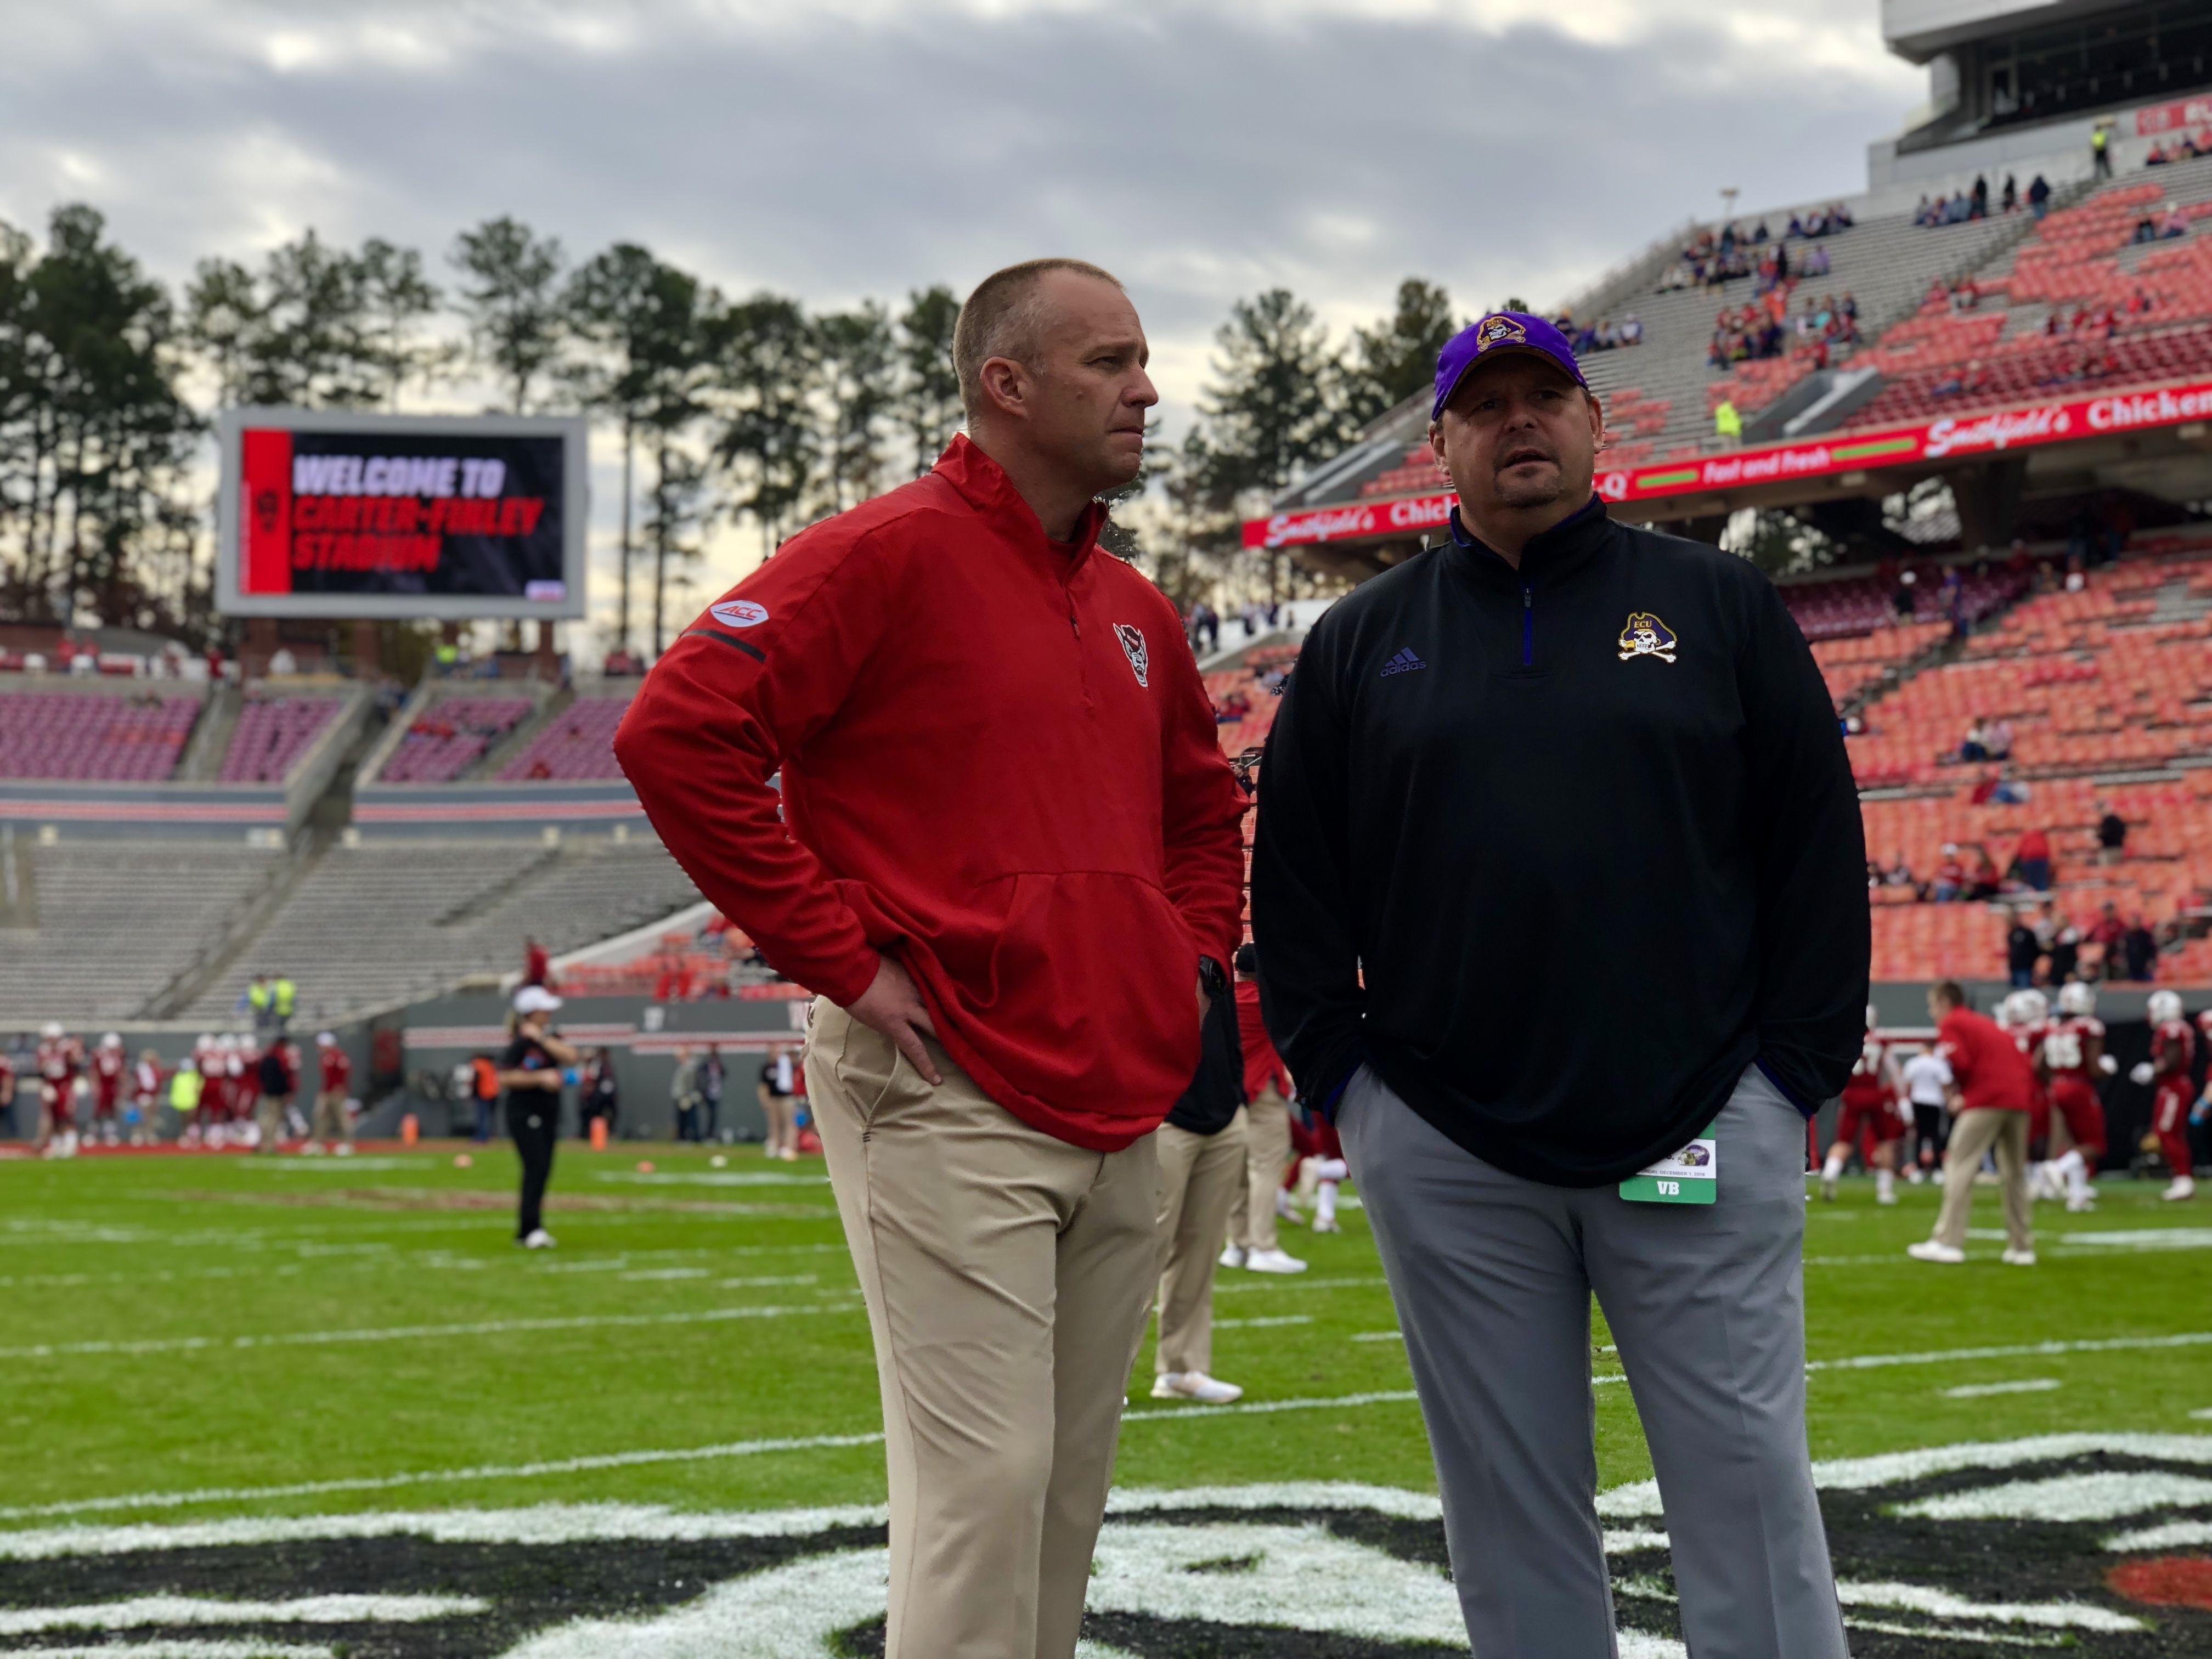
(1074, 626)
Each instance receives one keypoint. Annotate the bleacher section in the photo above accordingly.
(273, 732)
(577, 745)
(376, 923)
(449, 737)
(2081, 258)
(90, 737)
(116, 925)
(1659, 395)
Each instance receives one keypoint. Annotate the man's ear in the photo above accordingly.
(1006, 385)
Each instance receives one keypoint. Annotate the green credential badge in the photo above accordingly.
(1689, 1176)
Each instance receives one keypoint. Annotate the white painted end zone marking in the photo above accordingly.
(187, 1650)
(144, 1610)
(2067, 1498)
(1915, 1598)
(1977, 1390)
(2175, 1534)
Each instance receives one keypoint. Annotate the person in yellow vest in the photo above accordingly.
(184, 1101)
(285, 995)
(270, 998)
(1727, 423)
(2100, 152)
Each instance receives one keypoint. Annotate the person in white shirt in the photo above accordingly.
(1927, 1079)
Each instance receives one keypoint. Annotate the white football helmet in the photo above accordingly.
(110, 1041)
(51, 1031)
(2076, 999)
(2164, 1006)
(1871, 1021)
(2034, 1007)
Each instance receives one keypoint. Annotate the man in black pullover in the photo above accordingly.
(1559, 891)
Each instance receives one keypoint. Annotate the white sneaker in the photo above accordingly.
(1286, 1211)
(539, 1240)
(1273, 1262)
(1327, 1223)
(1194, 1385)
(1885, 1195)
(2080, 1206)
(1233, 1257)
(2182, 1187)
(1916, 1175)
(2013, 1258)
(1828, 1189)
(1930, 1249)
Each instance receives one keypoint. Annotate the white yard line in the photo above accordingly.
(184, 1649)
(419, 1332)
(1978, 1390)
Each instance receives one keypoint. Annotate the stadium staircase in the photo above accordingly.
(202, 757)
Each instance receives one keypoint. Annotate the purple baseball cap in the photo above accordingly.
(1500, 331)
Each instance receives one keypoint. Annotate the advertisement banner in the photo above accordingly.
(330, 515)
(2172, 118)
(1952, 436)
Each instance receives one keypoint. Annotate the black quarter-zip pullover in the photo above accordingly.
(1560, 850)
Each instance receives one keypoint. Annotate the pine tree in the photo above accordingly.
(1397, 359)
(511, 298)
(927, 403)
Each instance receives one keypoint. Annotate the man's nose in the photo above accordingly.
(1143, 394)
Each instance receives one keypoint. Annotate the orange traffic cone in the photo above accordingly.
(409, 1130)
(598, 1134)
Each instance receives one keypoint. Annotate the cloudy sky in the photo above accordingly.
(840, 149)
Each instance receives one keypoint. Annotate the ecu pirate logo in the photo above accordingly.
(1133, 648)
(1499, 331)
(1646, 635)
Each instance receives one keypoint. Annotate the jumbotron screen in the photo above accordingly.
(328, 514)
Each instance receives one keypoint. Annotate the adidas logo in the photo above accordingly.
(1404, 663)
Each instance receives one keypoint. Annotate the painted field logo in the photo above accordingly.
(2097, 1544)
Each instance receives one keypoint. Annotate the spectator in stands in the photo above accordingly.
(2106, 934)
(1728, 424)
(2065, 952)
(2038, 196)
(1205, 626)
(1997, 737)
(1983, 881)
(2012, 789)
(2033, 855)
(2175, 223)
(1978, 202)
(2111, 834)
(601, 1097)
(1899, 873)
(2010, 202)
(2100, 150)
(1631, 330)
(1976, 744)
(537, 965)
(1950, 881)
(1908, 581)
(2139, 950)
(2022, 951)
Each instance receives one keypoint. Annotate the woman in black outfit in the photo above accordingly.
(530, 1071)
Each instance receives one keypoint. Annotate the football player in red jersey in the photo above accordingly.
(145, 1097)
(7, 1094)
(109, 1067)
(1871, 1097)
(2071, 1058)
(2173, 1047)
(2023, 1016)
(59, 1056)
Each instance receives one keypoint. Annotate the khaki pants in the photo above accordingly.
(269, 1113)
(1973, 1132)
(329, 1122)
(1199, 1176)
(1266, 1154)
(1008, 1278)
(780, 1112)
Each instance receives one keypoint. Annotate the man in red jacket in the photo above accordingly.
(1993, 1086)
(1006, 857)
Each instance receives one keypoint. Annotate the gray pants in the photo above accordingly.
(1492, 1276)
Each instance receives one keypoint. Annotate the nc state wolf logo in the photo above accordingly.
(1133, 648)
(1646, 635)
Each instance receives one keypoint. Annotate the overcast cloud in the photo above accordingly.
(840, 149)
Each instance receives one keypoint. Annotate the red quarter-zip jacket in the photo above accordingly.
(998, 765)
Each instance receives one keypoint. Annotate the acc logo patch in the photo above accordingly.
(739, 613)
(1499, 331)
(1133, 648)
(1646, 635)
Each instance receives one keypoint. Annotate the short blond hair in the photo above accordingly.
(1001, 319)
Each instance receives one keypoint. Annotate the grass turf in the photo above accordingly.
(225, 1324)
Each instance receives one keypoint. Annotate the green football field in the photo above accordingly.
(190, 1340)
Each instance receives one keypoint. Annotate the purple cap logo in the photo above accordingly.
(1515, 330)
